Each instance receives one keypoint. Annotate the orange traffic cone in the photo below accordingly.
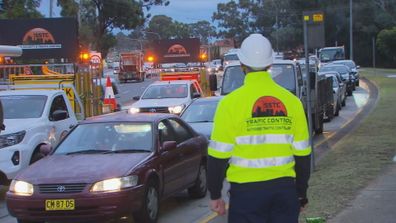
(109, 98)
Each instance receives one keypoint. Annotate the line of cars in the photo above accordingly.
(345, 77)
(122, 164)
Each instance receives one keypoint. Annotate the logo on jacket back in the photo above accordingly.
(268, 106)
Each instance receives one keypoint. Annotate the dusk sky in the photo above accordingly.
(188, 11)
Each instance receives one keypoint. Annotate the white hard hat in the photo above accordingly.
(256, 52)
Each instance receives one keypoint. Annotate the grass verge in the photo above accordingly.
(358, 157)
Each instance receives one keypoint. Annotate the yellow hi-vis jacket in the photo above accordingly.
(260, 127)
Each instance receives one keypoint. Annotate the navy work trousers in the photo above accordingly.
(269, 204)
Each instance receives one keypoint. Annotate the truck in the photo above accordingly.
(131, 66)
(330, 54)
(32, 118)
(287, 73)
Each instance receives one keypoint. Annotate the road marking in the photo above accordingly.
(394, 159)
(392, 76)
(211, 216)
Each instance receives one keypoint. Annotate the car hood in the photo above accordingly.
(164, 102)
(16, 125)
(81, 168)
(204, 128)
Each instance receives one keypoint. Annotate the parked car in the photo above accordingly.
(32, 118)
(337, 93)
(342, 85)
(167, 97)
(112, 166)
(345, 73)
(354, 68)
(200, 114)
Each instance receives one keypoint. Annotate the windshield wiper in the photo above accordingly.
(128, 151)
(203, 121)
(87, 151)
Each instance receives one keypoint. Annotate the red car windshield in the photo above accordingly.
(107, 137)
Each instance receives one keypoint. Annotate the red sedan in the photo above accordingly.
(110, 167)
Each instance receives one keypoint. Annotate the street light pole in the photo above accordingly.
(51, 2)
(350, 31)
(159, 37)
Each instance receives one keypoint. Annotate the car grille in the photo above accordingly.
(155, 109)
(61, 188)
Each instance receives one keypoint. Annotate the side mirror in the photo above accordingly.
(213, 82)
(196, 95)
(168, 145)
(45, 149)
(59, 115)
(136, 98)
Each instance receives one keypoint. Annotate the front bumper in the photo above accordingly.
(89, 207)
(7, 166)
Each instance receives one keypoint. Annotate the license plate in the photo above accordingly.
(59, 205)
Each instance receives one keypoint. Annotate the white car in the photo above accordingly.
(230, 58)
(338, 92)
(31, 118)
(167, 97)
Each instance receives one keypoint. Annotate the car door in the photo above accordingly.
(170, 160)
(188, 149)
(60, 126)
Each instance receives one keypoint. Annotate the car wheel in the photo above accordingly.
(350, 92)
(343, 102)
(354, 87)
(357, 83)
(150, 207)
(337, 111)
(199, 189)
(319, 129)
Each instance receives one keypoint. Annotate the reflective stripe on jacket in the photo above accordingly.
(260, 127)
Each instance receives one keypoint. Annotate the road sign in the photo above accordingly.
(318, 17)
(315, 28)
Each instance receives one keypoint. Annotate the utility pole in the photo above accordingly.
(308, 89)
(350, 31)
(277, 26)
(51, 2)
(373, 42)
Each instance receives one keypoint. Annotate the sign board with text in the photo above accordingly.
(177, 50)
(46, 38)
(316, 30)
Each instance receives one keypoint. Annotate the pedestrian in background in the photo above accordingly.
(260, 141)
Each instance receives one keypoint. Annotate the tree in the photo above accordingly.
(202, 30)
(110, 14)
(181, 30)
(386, 43)
(163, 25)
(14, 9)
(234, 20)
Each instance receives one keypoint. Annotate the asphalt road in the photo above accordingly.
(180, 208)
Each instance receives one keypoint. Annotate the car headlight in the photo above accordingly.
(115, 184)
(11, 139)
(134, 110)
(176, 109)
(21, 188)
